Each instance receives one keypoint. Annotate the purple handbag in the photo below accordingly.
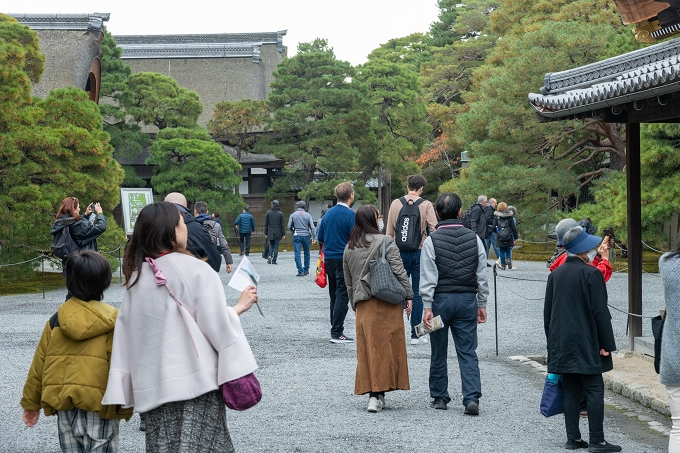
(242, 393)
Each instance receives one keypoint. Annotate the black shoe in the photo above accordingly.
(306, 273)
(300, 275)
(600, 448)
(472, 408)
(269, 260)
(488, 265)
(439, 403)
(575, 444)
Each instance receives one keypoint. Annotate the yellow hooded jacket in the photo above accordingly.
(71, 364)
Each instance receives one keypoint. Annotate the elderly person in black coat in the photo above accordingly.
(580, 338)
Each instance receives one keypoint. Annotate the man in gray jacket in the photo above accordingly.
(302, 225)
(453, 285)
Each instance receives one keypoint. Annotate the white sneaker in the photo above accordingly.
(498, 262)
(374, 405)
(421, 340)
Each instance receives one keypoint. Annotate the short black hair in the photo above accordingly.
(201, 207)
(88, 275)
(448, 206)
(415, 182)
(246, 208)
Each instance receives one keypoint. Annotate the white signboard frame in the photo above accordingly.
(132, 201)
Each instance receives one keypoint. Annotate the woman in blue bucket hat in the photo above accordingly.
(580, 338)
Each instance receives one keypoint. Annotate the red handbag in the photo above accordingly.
(321, 278)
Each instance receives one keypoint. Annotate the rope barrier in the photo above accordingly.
(110, 251)
(652, 248)
(628, 313)
(23, 262)
(542, 298)
(519, 295)
(545, 242)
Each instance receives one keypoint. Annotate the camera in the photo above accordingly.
(609, 232)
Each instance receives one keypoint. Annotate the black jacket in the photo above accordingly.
(478, 222)
(199, 243)
(273, 224)
(456, 256)
(488, 213)
(83, 232)
(577, 321)
(504, 219)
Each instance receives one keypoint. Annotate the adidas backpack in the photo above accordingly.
(407, 230)
(63, 244)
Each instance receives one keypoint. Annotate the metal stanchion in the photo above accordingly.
(495, 304)
(42, 262)
(120, 266)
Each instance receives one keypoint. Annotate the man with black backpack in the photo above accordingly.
(409, 221)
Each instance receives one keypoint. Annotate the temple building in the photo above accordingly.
(219, 67)
(71, 45)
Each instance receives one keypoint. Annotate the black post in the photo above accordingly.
(120, 266)
(495, 304)
(634, 231)
(42, 262)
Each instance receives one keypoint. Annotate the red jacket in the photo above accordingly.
(598, 262)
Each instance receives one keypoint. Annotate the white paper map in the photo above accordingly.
(244, 276)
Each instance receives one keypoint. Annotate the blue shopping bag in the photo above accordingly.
(552, 401)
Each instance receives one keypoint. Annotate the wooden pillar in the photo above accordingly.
(634, 231)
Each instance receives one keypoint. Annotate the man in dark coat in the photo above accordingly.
(274, 230)
(478, 221)
(199, 243)
(580, 338)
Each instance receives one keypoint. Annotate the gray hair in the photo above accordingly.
(572, 234)
(481, 198)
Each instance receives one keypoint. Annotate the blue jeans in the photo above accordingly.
(492, 242)
(459, 315)
(339, 297)
(411, 261)
(506, 254)
(274, 249)
(301, 241)
(244, 237)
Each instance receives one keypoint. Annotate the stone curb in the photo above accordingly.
(637, 393)
(613, 382)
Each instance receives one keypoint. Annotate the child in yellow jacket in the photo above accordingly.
(70, 367)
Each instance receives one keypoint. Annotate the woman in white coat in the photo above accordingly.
(176, 340)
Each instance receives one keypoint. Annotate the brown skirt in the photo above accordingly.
(381, 348)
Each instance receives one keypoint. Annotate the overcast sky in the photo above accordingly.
(352, 27)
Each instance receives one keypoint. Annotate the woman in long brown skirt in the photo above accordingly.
(381, 342)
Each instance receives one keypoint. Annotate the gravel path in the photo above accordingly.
(308, 403)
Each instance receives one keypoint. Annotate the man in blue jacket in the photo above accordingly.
(246, 226)
(334, 234)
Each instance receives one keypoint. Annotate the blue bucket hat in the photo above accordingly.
(584, 242)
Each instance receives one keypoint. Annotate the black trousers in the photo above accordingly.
(339, 297)
(592, 385)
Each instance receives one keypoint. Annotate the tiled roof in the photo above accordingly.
(94, 21)
(642, 74)
(199, 46)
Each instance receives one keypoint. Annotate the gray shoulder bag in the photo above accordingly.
(384, 285)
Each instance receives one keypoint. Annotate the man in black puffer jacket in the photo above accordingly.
(453, 285)
(199, 243)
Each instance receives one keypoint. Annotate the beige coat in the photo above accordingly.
(356, 265)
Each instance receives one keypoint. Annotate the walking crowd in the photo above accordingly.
(176, 350)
